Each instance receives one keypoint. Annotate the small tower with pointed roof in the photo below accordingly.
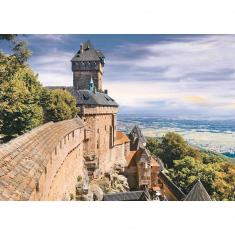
(91, 85)
(88, 62)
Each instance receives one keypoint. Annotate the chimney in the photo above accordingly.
(106, 92)
(81, 48)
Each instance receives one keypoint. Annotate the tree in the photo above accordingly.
(58, 105)
(185, 172)
(20, 91)
(153, 145)
(186, 164)
(173, 147)
(8, 37)
(19, 107)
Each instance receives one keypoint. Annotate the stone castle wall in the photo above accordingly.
(81, 79)
(63, 169)
(43, 164)
(100, 125)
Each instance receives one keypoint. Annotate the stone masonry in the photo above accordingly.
(44, 163)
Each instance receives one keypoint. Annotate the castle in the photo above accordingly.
(45, 163)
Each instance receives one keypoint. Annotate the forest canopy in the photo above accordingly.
(186, 164)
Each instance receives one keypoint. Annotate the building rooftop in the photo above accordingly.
(172, 186)
(121, 138)
(161, 164)
(133, 155)
(130, 158)
(86, 97)
(88, 53)
(153, 162)
(128, 196)
(198, 193)
(24, 159)
(137, 138)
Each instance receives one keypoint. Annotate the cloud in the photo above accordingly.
(202, 58)
(54, 67)
(186, 74)
(49, 37)
(196, 99)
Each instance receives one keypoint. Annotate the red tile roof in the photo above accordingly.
(121, 138)
(130, 158)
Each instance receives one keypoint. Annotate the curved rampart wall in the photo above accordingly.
(43, 164)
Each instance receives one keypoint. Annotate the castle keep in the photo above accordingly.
(86, 64)
(47, 162)
(97, 110)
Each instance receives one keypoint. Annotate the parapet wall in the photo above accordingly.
(43, 164)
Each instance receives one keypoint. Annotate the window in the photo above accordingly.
(98, 131)
(110, 137)
(37, 186)
(61, 144)
(98, 144)
(73, 133)
(55, 150)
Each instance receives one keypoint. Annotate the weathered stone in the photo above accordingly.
(97, 193)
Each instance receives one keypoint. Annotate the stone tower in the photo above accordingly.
(86, 64)
(96, 108)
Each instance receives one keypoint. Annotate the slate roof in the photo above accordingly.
(161, 164)
(198, 193)
(59, 87)
(128, 196)
(137, 138)
(23, 159)
(89, 54)
(172, 186)
(86, 97)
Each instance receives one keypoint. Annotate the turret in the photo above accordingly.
(91, 85)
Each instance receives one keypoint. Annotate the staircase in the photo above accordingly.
(91, 163)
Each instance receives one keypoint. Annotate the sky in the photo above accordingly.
(175, 76)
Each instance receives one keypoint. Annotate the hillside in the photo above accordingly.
(185, 164)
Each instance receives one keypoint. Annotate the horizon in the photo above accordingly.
(171, 76)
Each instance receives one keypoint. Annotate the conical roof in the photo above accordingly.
(198, 193)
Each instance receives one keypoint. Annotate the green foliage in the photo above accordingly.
(185, 172)
(186, 164)
(20, 110)
(59, 105)
(24, 103)
(172, 147)
(22, 53)
(153, 145)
